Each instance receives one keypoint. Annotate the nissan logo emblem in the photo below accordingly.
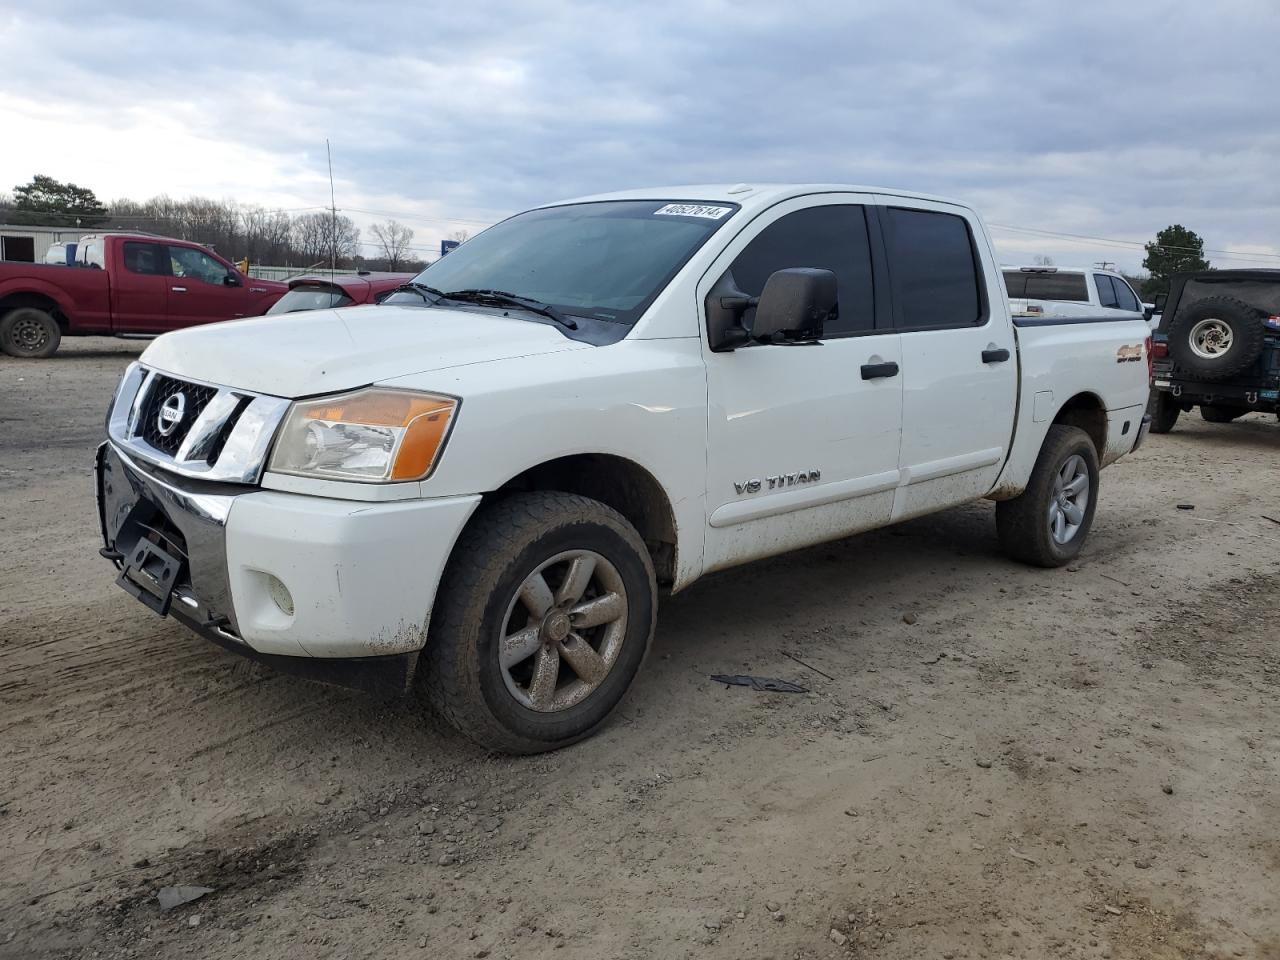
(171, 413)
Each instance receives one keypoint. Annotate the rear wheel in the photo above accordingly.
(541, 622)
(1164, 411)
(1216, 414)
(30, 333)
(1047, 524)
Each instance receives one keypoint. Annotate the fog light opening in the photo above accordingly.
(279, 594)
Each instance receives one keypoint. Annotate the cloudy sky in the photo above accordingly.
(1106, 120)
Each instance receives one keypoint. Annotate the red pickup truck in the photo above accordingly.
(123, 285)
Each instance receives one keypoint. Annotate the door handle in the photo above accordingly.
(178, 289)
(995, 356)
(874, 371)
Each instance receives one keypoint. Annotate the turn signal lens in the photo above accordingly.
(370, 436)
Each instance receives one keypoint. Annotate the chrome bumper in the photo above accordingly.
(190, 524)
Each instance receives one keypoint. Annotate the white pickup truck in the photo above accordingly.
(475, 489)
(1072, 291)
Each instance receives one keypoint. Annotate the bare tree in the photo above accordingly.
(460, 236)
(1043, 261)
(394, 239)
(320, 237)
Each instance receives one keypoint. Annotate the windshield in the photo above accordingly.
(605, 260)
(310, 298)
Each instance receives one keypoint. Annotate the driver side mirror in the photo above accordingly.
(231, 280)
(794, 306)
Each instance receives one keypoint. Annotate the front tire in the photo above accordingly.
(29, 333)
(541, 622)
(1047, 524)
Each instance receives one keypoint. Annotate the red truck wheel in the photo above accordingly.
(29, 333)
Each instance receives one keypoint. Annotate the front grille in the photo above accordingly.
(196, 397)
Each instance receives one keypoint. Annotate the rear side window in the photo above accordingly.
(310, 298)
(144, 258)
(934, 269)
(1106, 291)
(90, 254)
(829, 238)
(1046, 286)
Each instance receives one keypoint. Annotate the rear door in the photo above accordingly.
(803, 439)
(140, 287)
(959, 356)
(200, 291)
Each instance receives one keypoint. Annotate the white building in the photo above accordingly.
(27, 243)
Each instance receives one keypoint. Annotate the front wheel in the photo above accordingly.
(1047, 524)
(30, 333)
(541, 622)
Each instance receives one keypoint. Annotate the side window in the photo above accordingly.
(829, 238)
(1124, 293)
(1106, 292)
(145, 258)
(934, 269)
(91, 254)
(196, 265)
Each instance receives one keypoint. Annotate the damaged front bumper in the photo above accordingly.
(334, 590)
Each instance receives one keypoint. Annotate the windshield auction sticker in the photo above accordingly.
(693, 210)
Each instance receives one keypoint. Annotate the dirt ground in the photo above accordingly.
(1070, 763)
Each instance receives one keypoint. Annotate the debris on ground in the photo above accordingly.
(767, 684)
(1186, 506)
(171, 897)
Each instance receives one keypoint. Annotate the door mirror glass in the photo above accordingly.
(795, 305)
(231, 280)
(1160, 300)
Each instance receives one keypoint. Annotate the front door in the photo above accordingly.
(959, 356)
(199, 292)
(803, 440)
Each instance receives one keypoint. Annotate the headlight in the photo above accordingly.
(371, 436)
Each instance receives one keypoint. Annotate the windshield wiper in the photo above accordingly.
(429, 294)
(514, 300)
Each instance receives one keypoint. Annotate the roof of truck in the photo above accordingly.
(751, 195)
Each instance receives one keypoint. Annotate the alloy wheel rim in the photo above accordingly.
(1069, 500)
(563, 631)
(1211, 338)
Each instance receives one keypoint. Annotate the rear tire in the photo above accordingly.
(1216, 414)
(1047, 524)
(1216, 338)
(29, 333)
(1164, 411)
(519, 681)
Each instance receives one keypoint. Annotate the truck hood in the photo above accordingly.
(323, 351)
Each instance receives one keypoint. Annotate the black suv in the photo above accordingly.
(1217, 347)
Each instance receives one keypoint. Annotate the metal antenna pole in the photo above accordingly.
(333, 212)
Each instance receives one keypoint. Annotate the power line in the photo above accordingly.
(1138, 244)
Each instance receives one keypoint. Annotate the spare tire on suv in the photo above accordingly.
(1216, 338)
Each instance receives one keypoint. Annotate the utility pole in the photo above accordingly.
(333, 213)
(1105, 264)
